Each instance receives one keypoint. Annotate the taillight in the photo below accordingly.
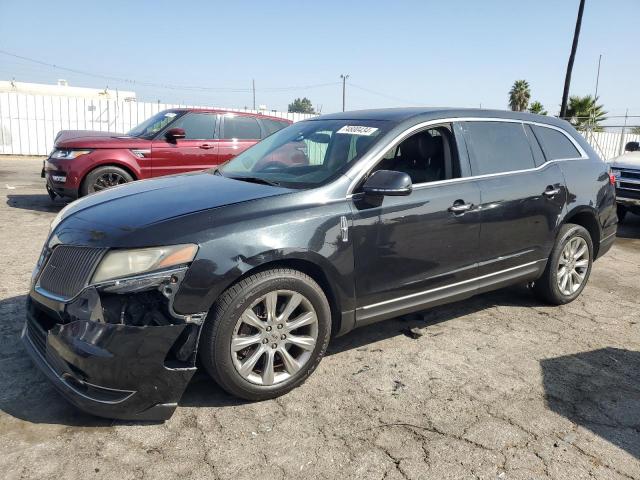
(612, 179)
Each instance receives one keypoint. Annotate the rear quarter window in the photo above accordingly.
(497, 147)
(555, 144)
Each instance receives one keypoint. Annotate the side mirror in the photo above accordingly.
(387, 183)
(632, 147)
(174, 134)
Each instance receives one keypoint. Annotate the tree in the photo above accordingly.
(572, 57)
(537, 107)
(519, 96)
(301, 105)
(584, 112)
(635, 130)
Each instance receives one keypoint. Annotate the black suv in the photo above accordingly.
(326, 225)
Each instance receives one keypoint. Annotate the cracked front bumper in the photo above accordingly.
(111, 370)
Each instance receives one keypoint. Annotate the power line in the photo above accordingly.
(165, 85)
(380, 94)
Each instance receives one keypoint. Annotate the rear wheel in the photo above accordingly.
(266, 334)
(102, 178)
(568, 267)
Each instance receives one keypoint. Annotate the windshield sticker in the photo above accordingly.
(357, 130)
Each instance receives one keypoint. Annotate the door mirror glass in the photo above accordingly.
(174, 134)
(388, 183)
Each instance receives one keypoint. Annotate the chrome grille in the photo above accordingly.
(69, 269)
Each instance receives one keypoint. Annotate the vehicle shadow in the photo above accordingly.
(600, 391)
(37, 203)
(25, 393)
(630, 228)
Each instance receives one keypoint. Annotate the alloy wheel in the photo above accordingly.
(573, 265)
(107, 180)
(274, 338)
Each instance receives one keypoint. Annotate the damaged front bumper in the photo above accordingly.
(116, 350)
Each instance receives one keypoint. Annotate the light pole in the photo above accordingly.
(344, 83)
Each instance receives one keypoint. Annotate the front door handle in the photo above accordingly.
(205, 146)
(551, 192)
(459, 207)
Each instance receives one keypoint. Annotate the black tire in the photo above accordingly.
(215, 350)
(546, 287)
(622, 212)
(91, 182)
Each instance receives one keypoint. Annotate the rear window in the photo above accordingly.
(272, 126)
(497, 147)
(242, 128)
(555, 144)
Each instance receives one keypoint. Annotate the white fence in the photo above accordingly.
(29, 123)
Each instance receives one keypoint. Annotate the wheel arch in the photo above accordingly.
(587, 218)
(109, 163)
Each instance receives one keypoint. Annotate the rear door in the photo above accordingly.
(238, 132)
(522, 197)
(197, 151)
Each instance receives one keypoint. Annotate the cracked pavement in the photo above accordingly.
(496, 387)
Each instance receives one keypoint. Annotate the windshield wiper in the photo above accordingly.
(256, 180)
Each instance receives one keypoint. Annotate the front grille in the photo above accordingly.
(69, 269)
(630, 186)
(628, 174)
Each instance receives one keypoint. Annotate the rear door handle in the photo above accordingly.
(551, 192)
(459, 207)
(205, 146)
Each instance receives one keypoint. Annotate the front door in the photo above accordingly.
(197, 151)
(521, 203)
(413, 251)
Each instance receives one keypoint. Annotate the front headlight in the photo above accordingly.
(68, 154)
(125, 263)
(615, 173)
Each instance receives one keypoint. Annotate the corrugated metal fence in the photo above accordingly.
(29, 123)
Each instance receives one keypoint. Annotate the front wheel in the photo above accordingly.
(102, 178)
(568, 267)
(266, 334)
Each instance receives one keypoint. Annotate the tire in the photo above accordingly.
(230, 320)
(108, 176)
(622, 212)
(547, 287)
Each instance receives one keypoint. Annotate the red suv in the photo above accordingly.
(172, 141)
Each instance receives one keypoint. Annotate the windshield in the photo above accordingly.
(154, 124)
(306, 154)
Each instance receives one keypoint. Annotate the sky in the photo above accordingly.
(396, 53)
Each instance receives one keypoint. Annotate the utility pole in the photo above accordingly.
(572, 57)
(344, 83)
(253, 87)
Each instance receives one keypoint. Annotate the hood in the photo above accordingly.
(92, 139)
(628, 160)
(122, 210)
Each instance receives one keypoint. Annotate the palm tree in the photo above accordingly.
(519, 96)
(537, 107)
(584, 112)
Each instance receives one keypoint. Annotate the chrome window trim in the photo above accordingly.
(357, 172)
(474, 279)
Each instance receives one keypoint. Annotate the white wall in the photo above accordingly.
(29, 123)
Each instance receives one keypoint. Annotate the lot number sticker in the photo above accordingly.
(357, 130)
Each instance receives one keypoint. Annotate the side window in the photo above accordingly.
(241, 128)
(555, 144)
(497, 147)
(197, 126)
(272, 126)
(426, 156)
(538, 156)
